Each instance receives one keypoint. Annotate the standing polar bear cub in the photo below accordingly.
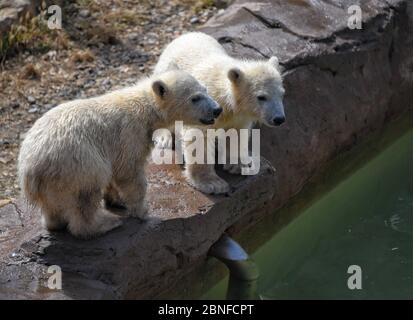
(83, 150)
(248, 91)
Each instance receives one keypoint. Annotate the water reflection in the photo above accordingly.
(366, 220)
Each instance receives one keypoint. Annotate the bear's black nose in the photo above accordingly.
(278, 121)
(217, 112)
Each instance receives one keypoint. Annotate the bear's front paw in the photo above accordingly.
(138, 211)
(239, 167)
(112, 199)
(114, 205)
(210, 184)
(233, 168)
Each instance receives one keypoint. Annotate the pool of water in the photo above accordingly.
(366, 220)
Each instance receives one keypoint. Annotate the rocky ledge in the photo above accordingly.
(137, 260)
(341, 85)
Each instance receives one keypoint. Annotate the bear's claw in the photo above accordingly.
(210, 184)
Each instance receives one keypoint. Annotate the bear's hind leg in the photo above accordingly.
(52, 212)
(53, 222)
(86, 218)
(133, 194)
(112, 198)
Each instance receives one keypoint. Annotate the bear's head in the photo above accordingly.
(258, 91)
(182, 98)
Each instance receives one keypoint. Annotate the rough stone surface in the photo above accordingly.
(341, 85)
(138, 260)
(12, 10)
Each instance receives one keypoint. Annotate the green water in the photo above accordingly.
(365, 220)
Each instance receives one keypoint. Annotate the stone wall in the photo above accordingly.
(341, 85)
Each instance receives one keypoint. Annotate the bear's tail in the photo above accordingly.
(31, 186)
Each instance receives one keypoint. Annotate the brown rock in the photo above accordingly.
(138, 260)
(341, 85)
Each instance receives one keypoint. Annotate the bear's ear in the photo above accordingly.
(274, 61)
(235, 75)
(159, 88)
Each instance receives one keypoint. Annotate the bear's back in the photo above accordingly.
(188, 51)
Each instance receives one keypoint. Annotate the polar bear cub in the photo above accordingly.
(83, 150)
(248, 91)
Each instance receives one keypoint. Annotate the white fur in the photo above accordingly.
(84, 149)
(204, 58)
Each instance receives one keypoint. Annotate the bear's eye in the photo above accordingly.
(196, 99)
(262, 98)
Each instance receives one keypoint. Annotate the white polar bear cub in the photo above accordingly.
(84, 149)
(248, 91)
